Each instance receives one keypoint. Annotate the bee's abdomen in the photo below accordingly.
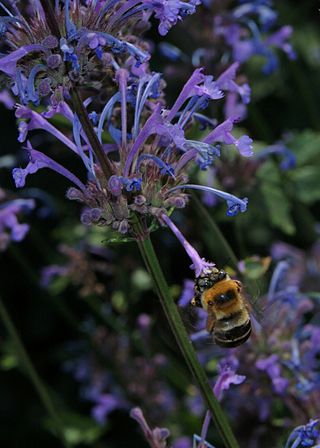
(235, 336)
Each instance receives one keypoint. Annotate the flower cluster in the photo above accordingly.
(250, 29)
(10, 228)
(236, 32)
(151, 154)
(304, 436)
(52, 49)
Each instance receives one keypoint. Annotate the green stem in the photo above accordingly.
(33, 375)
(182, 338)
(96, 146)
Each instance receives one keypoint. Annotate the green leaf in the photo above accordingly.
(277, 205)
(255, 267)
(8, 362)
(307, 183)
(79, 429)
(306, 146)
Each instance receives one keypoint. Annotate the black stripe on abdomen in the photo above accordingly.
(234, 337)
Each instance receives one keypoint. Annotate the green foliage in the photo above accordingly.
(277, 206)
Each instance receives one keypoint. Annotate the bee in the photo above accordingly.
(228, 317)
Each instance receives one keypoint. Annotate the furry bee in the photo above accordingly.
(228, 317)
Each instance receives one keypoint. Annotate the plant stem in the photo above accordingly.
(33, 375)
(182, 338)
(96, 146)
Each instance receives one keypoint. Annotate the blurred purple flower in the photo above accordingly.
(226, 377)
(156, 437)
(10, 228)
(304, 436)
(106, 403)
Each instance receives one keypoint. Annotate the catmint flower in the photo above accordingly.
(11, 230)
(226, 377)
(169, 12)
(105, 405)
(305, 436)
(182, 442)
(80, 45)
(248, 31)
(273, 369)
(156, 437)
(288, 157)
(152, 151)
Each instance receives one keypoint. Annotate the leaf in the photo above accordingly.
(255, 267)
(277, 205)
(8, 362)
(306, 146)
(307, 185)
(79, 429)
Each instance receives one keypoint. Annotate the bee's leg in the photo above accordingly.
(210, 323)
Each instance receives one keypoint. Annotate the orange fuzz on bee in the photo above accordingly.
(228, 317)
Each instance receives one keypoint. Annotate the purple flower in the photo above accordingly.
(304, 436)
(199, 265)
(154, 156)
(10, 228)
(222, 133)
(235, 205)
(227, 376)
(170, 11)
(157, 436)
(288, 157)
(182, 442)
(248, 31)
(38, 160)
(86, 43)
(272, 367)
(106, 403)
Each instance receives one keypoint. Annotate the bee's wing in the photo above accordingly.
(190, 317)
(271, 312)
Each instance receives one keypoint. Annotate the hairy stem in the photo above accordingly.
(84, 119)
(33, 375)
(182, 338)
